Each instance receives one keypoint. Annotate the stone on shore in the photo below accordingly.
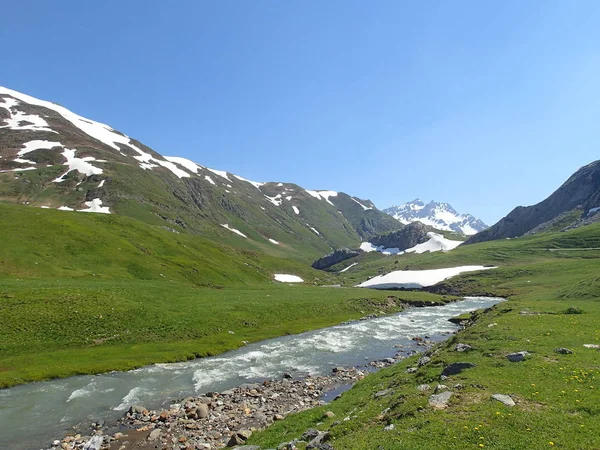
(506, 399)
(440, 401)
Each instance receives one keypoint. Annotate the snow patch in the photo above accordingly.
(101, 184)
(436, 243)
(81, 165)
(349, 267)
(65, 208)
(366, 208)
(285, 278)
(322, 195)
(296, 210)
(275, 200)
(95, 206)
(20, 120)
(23, 161)
(225, 225)
(314, 229)
(169, 165)
(38, 145)
(220, 173)
(184, 162)
(256, 184)
(210, 180)
(273, 241)
(416, 279)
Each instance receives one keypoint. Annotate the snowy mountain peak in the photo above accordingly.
(439, 215)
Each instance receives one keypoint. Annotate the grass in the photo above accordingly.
(60, 328)
(88, 293)
(554, 302)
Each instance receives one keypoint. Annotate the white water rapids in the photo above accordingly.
(33, 415)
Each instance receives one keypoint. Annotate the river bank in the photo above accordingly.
(32, 413)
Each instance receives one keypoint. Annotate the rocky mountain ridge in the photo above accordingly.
(575, 203)
(51, 157)
(439, 215)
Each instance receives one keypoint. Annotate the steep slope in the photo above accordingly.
(53, 158)
(438, 215)
(575, 203)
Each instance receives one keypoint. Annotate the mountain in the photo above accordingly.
(438, 215)
(575, 203)
(51, 157)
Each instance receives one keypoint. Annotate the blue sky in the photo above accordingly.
(484, 104)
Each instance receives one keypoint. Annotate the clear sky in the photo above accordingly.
(483, 104)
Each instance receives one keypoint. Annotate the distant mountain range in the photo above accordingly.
(438, 215)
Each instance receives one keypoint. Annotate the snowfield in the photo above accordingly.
(225, 225)
(285, 278)
(417, 279)
(436, 243)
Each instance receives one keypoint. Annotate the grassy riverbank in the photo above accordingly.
(554, 303)
(60, 328)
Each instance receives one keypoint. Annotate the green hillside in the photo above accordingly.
(553, 303)
(89, 293)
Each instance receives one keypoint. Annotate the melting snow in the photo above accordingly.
(96, 130)
(349, 267)
(101, 184)
(296, 210)
(435, 243)
(416, 279)
(313, 229)
(94, 206)
(183, 162)
(288, 198)
(225, 225)
(275, 200)
(256, 184)
(368, 247)
(23, 161)
(19, 170)
(323, 195)
(221, 173)
(210, 180)
(279, 184)
(38, 145)
(285, 278)
(14, 122)
(273, 241)
(82, 165)
(366, 208)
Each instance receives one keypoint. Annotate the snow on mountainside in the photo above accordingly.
(52, 158)
(438, 215)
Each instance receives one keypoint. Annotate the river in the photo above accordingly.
(33, 415)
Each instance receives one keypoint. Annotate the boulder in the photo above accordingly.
(334, 258)
(440, 401)
(462, 348)
(506, 399)
(563, 351)
(406, 237)
(456, 368)
(517, 356)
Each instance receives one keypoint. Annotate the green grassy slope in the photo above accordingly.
(87, 293)
(557, 394)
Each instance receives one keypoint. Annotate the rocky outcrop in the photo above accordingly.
(334, 258)
(407, 237)
(580, 191)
